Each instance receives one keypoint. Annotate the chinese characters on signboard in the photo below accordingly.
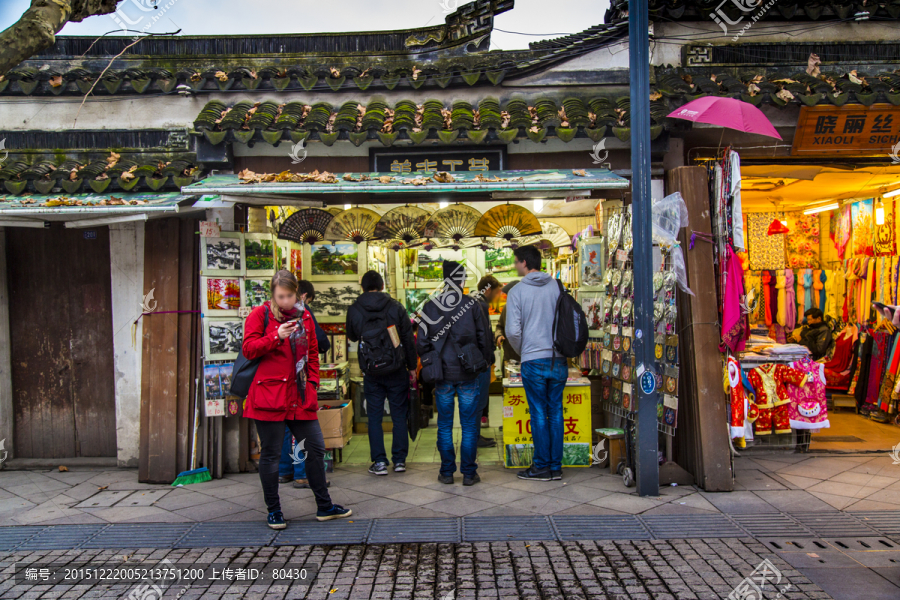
(404, 162)
(847, 130)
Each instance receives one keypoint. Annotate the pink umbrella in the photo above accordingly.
(726, 112)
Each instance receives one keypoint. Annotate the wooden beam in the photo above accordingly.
(702, 444)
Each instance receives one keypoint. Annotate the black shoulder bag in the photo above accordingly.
(244, 370)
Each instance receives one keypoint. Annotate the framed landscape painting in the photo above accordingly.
(335, 261)
(259, 254)
(222, 338)
(223, 296)
(222, 255)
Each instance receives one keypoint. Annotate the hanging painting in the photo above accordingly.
(803, 241)
(335, 261)
(223, 255)
(430, 263)
(256, 292)
(415, 298)
(331, 303)
(886, 235)
(500, 262)
(863, 228)
(213, 384)
(592, 305)
(225, 371)
(223, 338)
(223, 295)
(259, 253)
(766, 251)
(591, 262)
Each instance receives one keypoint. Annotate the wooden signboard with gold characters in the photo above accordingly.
(847, 130)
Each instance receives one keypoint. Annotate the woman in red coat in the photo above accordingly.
(283, 393)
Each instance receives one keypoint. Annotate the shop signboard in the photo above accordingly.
(517, 440)
(847, 130)
(414, 160)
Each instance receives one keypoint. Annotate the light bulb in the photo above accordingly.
(444, 204)
(538, 206)
(879, 214)
(347, 207)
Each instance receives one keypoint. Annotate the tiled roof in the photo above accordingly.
(800, 10)
(487, 120)
(251, 69)
(52, 174)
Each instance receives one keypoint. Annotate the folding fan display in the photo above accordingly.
(507, 221)
(306, 226)
(551, 236)
(357, 224)
(404, 223)
(456, 221)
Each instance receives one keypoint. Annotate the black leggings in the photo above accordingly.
(271, 438)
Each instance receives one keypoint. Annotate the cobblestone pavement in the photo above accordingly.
(633, 570)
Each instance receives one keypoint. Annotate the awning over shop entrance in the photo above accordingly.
(90, 210)
(367, 188)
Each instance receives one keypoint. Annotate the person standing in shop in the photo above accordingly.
(508, 352)
(387, 358)
(488, 291)
(531, 306)
(283, 393)
(453, 343)
(289, 469)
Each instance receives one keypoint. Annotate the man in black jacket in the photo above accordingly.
(488, 291)
(374, 308)
(816, 335)
(453, 325)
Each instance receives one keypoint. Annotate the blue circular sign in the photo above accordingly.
(648, 382)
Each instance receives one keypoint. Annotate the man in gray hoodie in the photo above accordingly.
(530, 308)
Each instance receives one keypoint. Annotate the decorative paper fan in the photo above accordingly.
(306, 226)
(457, 221)
(404, 223)
(507, 221)
(334, 210)
(357, 224)
(551, 236)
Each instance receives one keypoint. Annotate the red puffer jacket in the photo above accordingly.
(273, 394)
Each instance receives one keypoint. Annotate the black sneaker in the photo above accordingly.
(471, 480)
(378, 468)
(285, 479)
(556, 475)
(336, 512)
(445, 479)
(533, 475)
(276, 520)
(484, 442)
(400, 467)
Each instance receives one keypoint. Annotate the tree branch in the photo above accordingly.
(36, 30)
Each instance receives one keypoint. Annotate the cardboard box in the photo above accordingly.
(336, 423)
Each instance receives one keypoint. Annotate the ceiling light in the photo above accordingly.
(538, 206)
(891, 193)
(347, 207)
(879, 212)
(444, 204)
(823, 208)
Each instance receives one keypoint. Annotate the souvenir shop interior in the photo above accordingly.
(810, 237)
(407, 244)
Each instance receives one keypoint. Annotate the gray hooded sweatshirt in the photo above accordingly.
(530, 308)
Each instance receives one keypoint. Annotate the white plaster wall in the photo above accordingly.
(6, 401)
(126, 246)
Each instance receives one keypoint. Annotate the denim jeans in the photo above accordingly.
(395, 388)
(467, 392)
(286, 466)
(484, 384)
(544, 380)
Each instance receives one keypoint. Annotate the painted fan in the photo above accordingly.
(507, 221)
(404, 223)
(357, 224)
(306, 226)
(334, 210)
(457, 221)
(551, 236)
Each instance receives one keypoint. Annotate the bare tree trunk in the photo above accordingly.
(37, 28)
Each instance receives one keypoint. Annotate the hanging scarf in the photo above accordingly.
(299, 346)
(734, 333)
(818, 287)
(790, 314)
(767, 293)
(781, 312)
(807, 289)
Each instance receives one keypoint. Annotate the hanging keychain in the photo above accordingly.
(627, 281)
(626, 313)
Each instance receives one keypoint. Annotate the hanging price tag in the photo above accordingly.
(210, 229)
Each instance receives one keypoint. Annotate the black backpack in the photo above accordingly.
(244, 370)
(570, 329)
(377, 354)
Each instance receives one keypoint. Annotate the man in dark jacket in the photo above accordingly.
(816, 335)
(454, 326)
(374, 308)
(488, 290)
(307, 288)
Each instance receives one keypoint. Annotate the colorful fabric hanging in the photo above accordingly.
(890, 374)
(863, 228)
(781, 311)
(842, 230)
(885, 235)
(803, 241)
(807, 289)
(766, 251)
(820, 285)
(790, 316)
(734, 331)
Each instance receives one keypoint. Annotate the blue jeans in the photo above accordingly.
(467, 391)
(484, 384)
(286, 465)
(544, 380)
(395, 388)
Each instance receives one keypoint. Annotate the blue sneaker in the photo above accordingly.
(276, 520)
(335, 512)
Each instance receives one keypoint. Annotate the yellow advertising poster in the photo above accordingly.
(517, 441)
